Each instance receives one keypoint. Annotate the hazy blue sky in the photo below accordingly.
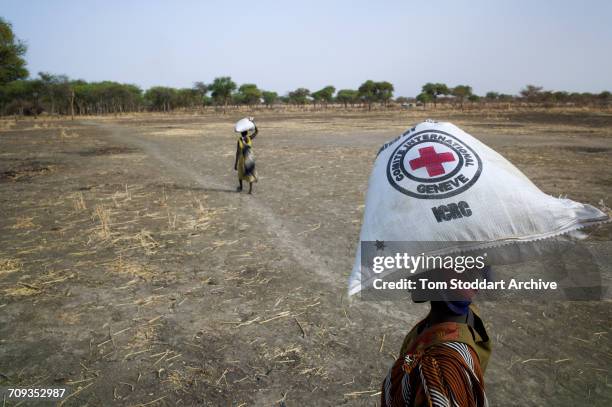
(282, 45)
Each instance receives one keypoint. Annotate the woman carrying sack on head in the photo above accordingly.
(442, 360)
(245, 159)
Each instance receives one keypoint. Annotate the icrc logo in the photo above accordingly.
(432, 164)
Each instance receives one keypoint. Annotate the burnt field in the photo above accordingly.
(132, 273)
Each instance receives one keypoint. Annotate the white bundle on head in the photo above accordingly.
(437, 183)
(244, 125)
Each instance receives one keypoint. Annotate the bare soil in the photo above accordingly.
(132, 273)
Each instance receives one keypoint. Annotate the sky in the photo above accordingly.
(282, 45)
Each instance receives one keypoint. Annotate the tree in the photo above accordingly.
(237, 99)
(325, 95)
(222, 89)
(12, 50)
(17, 97)
(202, 89)
(434, 90)
(299, 96)
(57, 90)
(316, 98)
(188, 97)
(58, 94)
(368, 92)
(347, 96)
(604, 97)
(250, 94)
(21, 97)
(561, 97)
(161, 98)
(47, 81)
(586, 98)
(108, 97)
(384, 92)
(424, 98)
(269, 97)
(37, 89)
(492, 95)
(473, 98)
(531, 92)
(574, 97)
(461, 92)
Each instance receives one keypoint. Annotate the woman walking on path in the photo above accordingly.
(245, 159)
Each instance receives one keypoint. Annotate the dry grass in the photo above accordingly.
(176, 380)
(43, 125)
(20, 291)
(64, 134)
(6, 124)
(205, 216)
(144, 336)
(181, 381)
(79, 202)
(124, 195)
(24, 222)
(103, 216)
(69, 318)
(144, 240)
(33, 285)
(29, 170)
(8, 266)
(147, 242)
(179, 132)
(133, 269)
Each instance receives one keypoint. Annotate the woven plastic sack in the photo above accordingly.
(244, 125)
(437, 183)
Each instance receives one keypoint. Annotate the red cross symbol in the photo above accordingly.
(431, 160)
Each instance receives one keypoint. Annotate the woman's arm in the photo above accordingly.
(254, 132)
(237, 154)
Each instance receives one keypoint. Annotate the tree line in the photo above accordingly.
(530, 95)
(58, 94)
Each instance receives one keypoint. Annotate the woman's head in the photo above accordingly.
(451, 307)
(440, 287)
(244, 134)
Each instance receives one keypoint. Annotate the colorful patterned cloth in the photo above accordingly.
(246, 160)
(440, 365)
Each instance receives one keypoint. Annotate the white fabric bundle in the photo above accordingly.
(437, 183)
(244, 125)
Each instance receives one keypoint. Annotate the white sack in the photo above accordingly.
(438, 183)
(244, 125)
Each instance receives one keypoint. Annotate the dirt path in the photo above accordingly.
(186, 165)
